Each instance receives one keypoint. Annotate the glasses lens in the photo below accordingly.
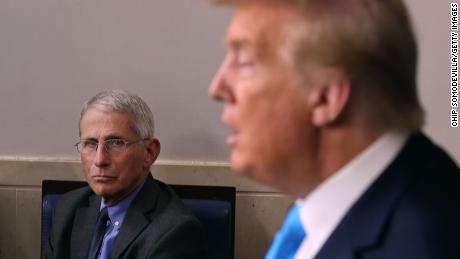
(115, 146)
(86, 147)
(111, 146)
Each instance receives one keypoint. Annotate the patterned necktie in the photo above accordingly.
(98, 235)
(288, 238)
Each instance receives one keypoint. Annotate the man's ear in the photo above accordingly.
(328, 101)
(152, 149)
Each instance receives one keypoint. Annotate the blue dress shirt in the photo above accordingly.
(117, 214)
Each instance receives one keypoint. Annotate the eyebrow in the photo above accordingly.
(90, 139)
(237, 43)
(111, 136)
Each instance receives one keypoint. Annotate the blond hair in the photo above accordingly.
(372, 41)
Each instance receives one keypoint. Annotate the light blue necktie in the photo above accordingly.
(288, 238)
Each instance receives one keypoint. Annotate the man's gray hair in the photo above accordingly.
(124, 102)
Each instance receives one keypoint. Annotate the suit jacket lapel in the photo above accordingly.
(83, 226)
(363, 226)
(136, 220)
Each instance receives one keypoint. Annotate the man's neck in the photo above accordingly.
(336, 148)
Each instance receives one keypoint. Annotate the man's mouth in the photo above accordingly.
(233, 138)
(103, 178)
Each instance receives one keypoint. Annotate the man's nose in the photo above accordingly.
(102, 157)
(220, 88)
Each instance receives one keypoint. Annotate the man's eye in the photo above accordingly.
(89, 144)
(116, 142)
(245, 64)
(244, 61)
(246, 68)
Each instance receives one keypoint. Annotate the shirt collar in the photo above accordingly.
(117, 212)
(323, 209)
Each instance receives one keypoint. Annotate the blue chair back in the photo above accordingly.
(214, 206)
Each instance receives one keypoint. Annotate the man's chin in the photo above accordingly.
(238, 165)
(254, 173)
(243, 168)
(101, 188)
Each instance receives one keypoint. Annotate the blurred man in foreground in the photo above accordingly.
(321, 99)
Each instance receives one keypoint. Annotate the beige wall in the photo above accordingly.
(54, 55)
(259, 210)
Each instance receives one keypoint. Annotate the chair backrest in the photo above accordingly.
(214, 206)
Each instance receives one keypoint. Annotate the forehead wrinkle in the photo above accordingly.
(109, 128)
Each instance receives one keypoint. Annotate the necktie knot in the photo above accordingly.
(103, 216)
(288, 238)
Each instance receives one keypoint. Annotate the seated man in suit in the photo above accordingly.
(124, 213)
(321, 99)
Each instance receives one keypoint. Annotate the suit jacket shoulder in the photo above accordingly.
(411, 211)
(68, 212)
(158, 225)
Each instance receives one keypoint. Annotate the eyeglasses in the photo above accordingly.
(111, 146)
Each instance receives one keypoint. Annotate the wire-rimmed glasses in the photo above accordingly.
(111, 146)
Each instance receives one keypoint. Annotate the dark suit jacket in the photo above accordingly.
(156, 225)
(412, 211)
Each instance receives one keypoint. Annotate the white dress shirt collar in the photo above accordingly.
(323, 209)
